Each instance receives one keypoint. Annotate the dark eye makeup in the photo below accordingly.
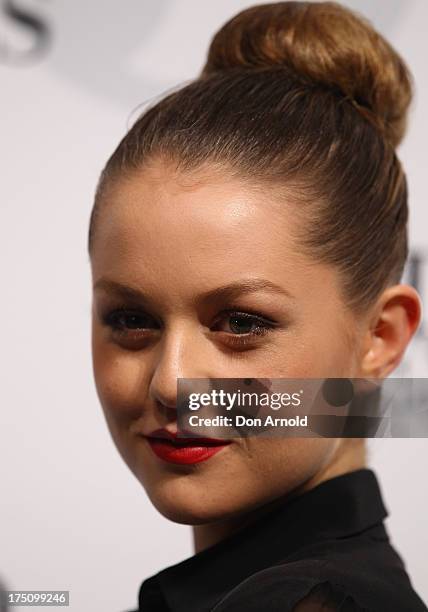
(236, 326)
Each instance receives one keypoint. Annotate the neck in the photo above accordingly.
(350, 455)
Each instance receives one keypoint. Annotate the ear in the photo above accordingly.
(394, 320)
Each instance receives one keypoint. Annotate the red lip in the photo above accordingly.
(185, 451)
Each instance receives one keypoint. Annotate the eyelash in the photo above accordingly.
(262, 325)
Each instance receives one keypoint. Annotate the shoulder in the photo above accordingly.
(329, 582)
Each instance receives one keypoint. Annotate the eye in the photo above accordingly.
(128, 321)
(134, 326)
(243, 326)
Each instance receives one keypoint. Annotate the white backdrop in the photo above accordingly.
(71, 514)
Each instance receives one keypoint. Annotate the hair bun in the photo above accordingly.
(324, 43)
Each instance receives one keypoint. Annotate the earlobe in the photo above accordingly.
(397, 316)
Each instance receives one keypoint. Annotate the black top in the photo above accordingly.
(324, 550)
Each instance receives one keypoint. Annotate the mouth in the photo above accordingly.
(167, 446)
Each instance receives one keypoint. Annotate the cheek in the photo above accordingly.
(119, 379)
(318, 354)
(286, 463)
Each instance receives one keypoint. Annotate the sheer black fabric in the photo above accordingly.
(324, 597)
(326, 550)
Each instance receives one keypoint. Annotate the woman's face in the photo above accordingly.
(164, 242)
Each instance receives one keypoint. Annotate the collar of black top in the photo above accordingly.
(336, 508)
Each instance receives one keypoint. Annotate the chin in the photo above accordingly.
(182, 502)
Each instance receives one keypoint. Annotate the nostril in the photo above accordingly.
(169, 411)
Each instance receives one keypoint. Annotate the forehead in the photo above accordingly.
(197, 229)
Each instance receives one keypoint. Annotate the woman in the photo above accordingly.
(253, 223)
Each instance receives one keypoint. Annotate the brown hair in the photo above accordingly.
(309, 96)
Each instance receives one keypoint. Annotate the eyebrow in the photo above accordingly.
(230, 291)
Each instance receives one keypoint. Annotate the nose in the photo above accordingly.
(182, 353)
